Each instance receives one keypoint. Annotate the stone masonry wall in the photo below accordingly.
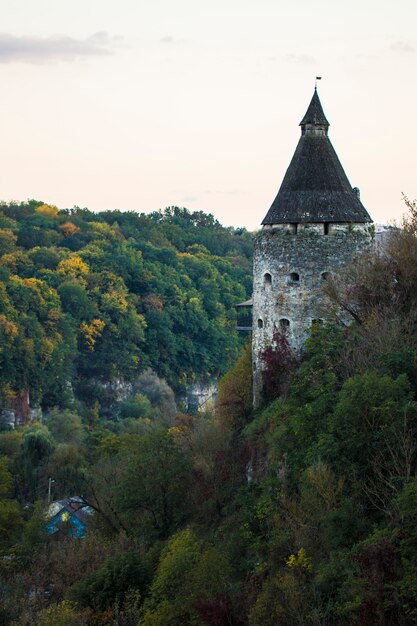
(290, 265)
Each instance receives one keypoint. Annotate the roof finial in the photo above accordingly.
(315, 85)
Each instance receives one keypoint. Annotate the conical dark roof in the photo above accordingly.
(315, 187)
(315, 114)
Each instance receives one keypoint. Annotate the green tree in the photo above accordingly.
(190, 575)
(152, 492)
(64, 613)
(114, 581)
(65, 426)
(10, 514)
(37, 447)
(235, 400)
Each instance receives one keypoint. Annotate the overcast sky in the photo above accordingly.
(141, 105)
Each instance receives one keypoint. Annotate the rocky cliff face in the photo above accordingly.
(201, 396)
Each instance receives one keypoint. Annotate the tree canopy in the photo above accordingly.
(92, 298)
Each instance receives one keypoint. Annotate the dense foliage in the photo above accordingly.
(90, 300)
(303, 513)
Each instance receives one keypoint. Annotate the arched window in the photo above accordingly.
(284, 325)
(294, 277)
(316, 322)
(260, 323)
(325, 275)
(267, 279)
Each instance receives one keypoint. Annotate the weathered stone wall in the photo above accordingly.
(290, 264)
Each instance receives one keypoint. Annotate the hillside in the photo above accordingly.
(301, 513)
(89, 301)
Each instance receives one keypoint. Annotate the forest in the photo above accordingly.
(303, 512)
(88, 301)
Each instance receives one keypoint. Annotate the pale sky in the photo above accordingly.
(141, 105)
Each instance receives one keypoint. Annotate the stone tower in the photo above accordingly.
(315, 226)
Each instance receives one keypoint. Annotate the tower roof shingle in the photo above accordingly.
(315, 187)
(315, 113)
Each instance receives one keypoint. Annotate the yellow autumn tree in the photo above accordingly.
(48, 210)
(91, 332)
(74, 267)
(299, 561)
